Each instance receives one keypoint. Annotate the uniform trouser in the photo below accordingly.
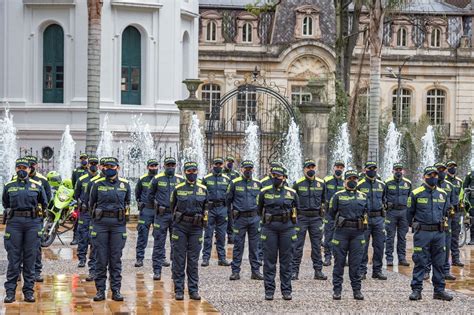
(328, 232)
(84, 235)
(347, 242)
(456, 231)
(109, 236)
(314, 227)
(217, 221)
(230, 226)
(428, 245)
(187, 241)
(75, 230)
(242, 227)
(278, 241)
(447, 250)
(145, 221)
(377, 231)
(39, 256)
(396, 222)
(21, 241)
(162, 225)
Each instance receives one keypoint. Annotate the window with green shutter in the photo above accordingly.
(130, 84)
(53, 64)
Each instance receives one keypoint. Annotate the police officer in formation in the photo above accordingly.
(159, 196)
(190, 215)
(468, 187)
(427, 215)
(216, 183)
(348, 209)
(241, 198)
(76, 174)
(311, 192)
(109, 203)
(229, 171)
(277, 204)
(376, 197)
(333, 183)
(398, 190)
(23, 199)
(147, 214)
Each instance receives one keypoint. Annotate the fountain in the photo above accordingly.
(392, 150)
(252, 147)
(293, 157)
(142, 146)
(195, 151)
(105, 147)
(428, 151)
(342, 147)
(66, 155)
(8, 148)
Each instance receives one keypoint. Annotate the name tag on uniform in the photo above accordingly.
(269, 196)
(183, 192)
(345, 198)
(422, 200)
(239, 188)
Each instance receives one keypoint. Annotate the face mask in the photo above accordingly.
(398, 175)
(431, 181)
(217, 169)
(338, 173)
(311, 173)
(93, 168)
(277, 181)
(83, 162)
(371, 173)
(352, 184)
(452, 170)
(22, 174)
(248, 174)
(441, 176)
(230, 165)
(191, 177)
(169, 171)
(153, 172)
(110, 172)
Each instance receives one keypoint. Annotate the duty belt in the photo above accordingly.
(110, 214)
(247, 214)
(399, 207)
(214, 204)
(281, 217)
(187, 219)
(350, 224)
(429, 227)
(25, 213)
(373, 214)
(310, 213)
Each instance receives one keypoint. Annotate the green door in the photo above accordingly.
(130, 84)
(53, 64)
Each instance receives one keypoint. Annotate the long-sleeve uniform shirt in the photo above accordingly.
(449, 189)
(23, 195)
(217, 186)
(458, 190)
(375, 191)
(81, 188)
(161, 188)
(110, 195)
(333, 185)
(311, 193)
(277, 201)
(349, 204)
(398, 191)
(142, 188)
(427, 206)
(189, 199)
(242, 194)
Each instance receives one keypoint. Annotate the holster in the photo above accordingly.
(452, 212)
(294, 217)
(384, 212)
(322, 212)
(161, 210)
(121, 215)
(360, 224)
(177, 216)
(97, 214)
(205, 218)
(443, 225)
(198, 220)
(415, 226)
(267, 218)
(340, 221)
(235, 214)
(141, 206)
(7, 214)
(37, 212)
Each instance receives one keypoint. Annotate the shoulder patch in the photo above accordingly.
(418, 190)
(289, 189)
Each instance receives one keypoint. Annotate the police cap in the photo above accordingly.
(190, 166)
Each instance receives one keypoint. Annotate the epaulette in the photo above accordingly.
(459, 179)
(389, 179)
(179, 185)
(319, 180)
(289, 189)
(264, 179)
(267, 188)
(179, 176)
(160, 175)
(41, 176)
(143, 176)
(201, 185)
(418, 190)
(208, 175)
(340, 192)
(236, 180)
(12, 181)
(302, 179)
(361, 182)
(407, 180)
(328, 178)
(100, 180)
(83, 176)
(123, 180)
(224, 175)
(95, 178)
(14, 178)
(379, 181)
(36, 182)
(442, 190)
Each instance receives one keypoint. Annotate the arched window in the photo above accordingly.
(401, 113)
(435, 38)
(402, 36)
(247, 33)
(212, 94)
(130, 84)
(435, 106)
(53, 64)
(211, 31)
(308, 26)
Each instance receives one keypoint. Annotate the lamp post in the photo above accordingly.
(398, 76)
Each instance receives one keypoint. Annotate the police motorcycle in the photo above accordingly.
(465, 218)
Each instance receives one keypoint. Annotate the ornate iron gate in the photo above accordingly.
(261, 104)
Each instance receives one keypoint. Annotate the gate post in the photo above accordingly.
(187, 108)
(315, 123)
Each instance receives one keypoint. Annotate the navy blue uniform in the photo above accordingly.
(217, 187)
(78, 173)
(275, 205)
(159, 197)
(468, 186)
(376, 199)
(396, 222)
(147, 214)
(188, 204)
(20, 200)
(456, 217)
(109, 200)
(426, 210)
(242, 200)
(311, 196)
(449, 189)
(348, 208)
(230, 221)
(333, 185)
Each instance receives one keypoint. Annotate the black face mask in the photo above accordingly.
(441, 176)
(248, 174)
(452, 170)
(311, 173)
(217, 169)
(338, 173)
(191, 177)
(398, 175)
(431, 181)
(84, 162)
(230, 165)
(277, 181)
(371, 173)
(93, 168)
(153, 172)
(169, 171)
(352, 184)
(22, 174)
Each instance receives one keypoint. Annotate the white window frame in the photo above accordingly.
(437, 99)
(435, 38)
(402, 37)
(307, 26)
(247, 30)
(211, 31)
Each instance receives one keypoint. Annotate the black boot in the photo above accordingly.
(90, 277)
(415, 295)
(166, 263)
(74, 242)
(9, 298)
(139, 263)
(268, 296)
(389, 263)
(295, 276)
(319, 275)
(336, 296)
(458, 263)
(205, 263)
(234, 276)
(82, 264)
(445, 296)
(223, 262)
(379, 275)
(116, 296)
(426, 276)
(194, 296)
(256, 276)
(179, 296)
(404, 262)
(39, 278)
(327, 261)
(99, 296)
(29, 297)
(157, 276)
(287, 296)
(449, 277)
(358, 295)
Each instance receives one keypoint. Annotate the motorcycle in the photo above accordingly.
(465, 220)
(60, 214)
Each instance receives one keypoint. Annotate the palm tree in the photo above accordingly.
(94, 8)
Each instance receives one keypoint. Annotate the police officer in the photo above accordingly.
(311, 192)
(159, 196)
(398, 190)
(458, 206)
(216, 183)
(109, 201)
(189, 207)
(277, 206)
(333, 184)
(468, 186)
(427, 215)
(20, 199)
(348, 209)
(147, 214)
(375, 191)
(78, 172)
(241, 198)
(229, 171)
(267, 180)
(84, 220)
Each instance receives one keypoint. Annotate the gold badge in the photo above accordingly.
(33, 185)
(122, 185)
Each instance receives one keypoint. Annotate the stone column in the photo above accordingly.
(315, 123)
(187, 108)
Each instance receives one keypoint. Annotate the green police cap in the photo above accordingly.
(451, 163)
(102, 159)
(230, 158)
(370, 164)
(246, 163)
(309, 162)
(152, 162)
(398, 165)
(170, 160)
(439, 165)
(110, 161)
(278, 170)
(339, 163)
(351, 173)
(31, 159)
(190, 166)
(275, 164)
(83, 156)
(430, 170)
(93, 159)
(22, 162)
(218, 160)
